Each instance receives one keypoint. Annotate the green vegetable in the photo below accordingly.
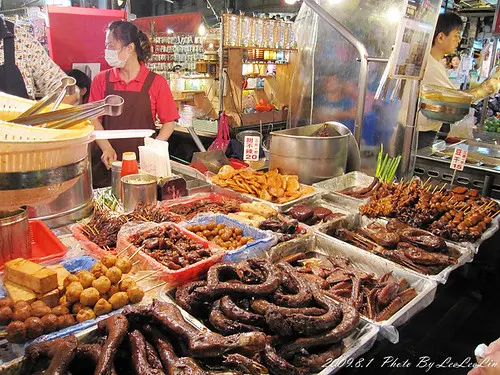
(386, 169)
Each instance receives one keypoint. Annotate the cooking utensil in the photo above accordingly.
(67, 87)
(210, 160)
(112, 105)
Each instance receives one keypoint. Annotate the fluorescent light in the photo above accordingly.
(290, 2)
(393, 15)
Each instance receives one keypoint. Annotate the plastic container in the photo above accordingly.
(263, 241)
(129, 164)
(89, 246)
(173, 278)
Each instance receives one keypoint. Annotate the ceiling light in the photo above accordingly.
(290, 2)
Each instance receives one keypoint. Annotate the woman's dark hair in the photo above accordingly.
(126, 33)
(446, 23)
(82, 81)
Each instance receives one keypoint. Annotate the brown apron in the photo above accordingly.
(136, 115)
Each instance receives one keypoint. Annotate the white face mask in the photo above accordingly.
(111, 57)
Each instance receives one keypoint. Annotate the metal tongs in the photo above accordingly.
(67, 87)
(112, 105)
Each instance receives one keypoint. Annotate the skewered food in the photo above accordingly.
(75, 309)
(34, 327)
(98, 270)
(119, 300)
(135, 294)
(65, 321)
(69, 279)
(85, 314)
(73, 291)
(16, 332)
(458, 215)
(60, 310)
(127, 283)
(50, 323)
(86, 278)
(270, 186)
(124, 265)
(102, 307)
(6, 301)
(5, 315)
(109, 260)
(102, 284)
(114, 274)
(39, 309)
(22, 311)
(188, 211)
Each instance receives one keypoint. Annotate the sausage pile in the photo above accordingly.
(305, 328)
(416, 249)
(377, 298)
(170, 247)
(150, 340)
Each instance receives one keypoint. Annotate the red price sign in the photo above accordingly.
(459, 157)
(251, 149)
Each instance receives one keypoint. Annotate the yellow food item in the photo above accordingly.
(51, 298)
(86, 278)
(259, 209)
(19, 293)
(38, 278)
(85, 314)
(62, 273)
(102, 284)
(118, 300)
(73, 291)
(89, 297)
(102, 307)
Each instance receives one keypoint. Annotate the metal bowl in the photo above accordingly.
(248, 133)
(444, 112)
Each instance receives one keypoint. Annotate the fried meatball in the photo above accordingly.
(6, 301)
(113, 290)
(63, 301)
(102, 284)
(73, 291)
(102, 307)
(85, 314)
(114, 274)
(5, 315)
(99, 270)
(89, 297)
(126, 283)
(22, 311)
(50, 323)
(60, 310)
(34, 327)
(118, 300)
(135, 294)
(124, 264)
(16, 332)
(69, 279)
(76, 308)
(65, 321)
(86, 278)
(109, 260)
(39, 309)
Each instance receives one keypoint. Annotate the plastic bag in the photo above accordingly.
(222, 140)
(464, 128)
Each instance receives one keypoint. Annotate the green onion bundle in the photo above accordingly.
(386, 166)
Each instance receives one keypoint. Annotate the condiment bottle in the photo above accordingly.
(129, 164)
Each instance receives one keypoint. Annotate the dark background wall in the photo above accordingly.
(143, 8)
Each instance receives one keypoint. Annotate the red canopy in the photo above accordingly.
(180, 23)
(77, 35)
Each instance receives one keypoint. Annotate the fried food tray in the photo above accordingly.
(352, 179)
(441, 278)
(357, 344)
(323, 245)
(263, 241)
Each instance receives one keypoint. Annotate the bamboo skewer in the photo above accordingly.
(136, 262)
(495, 215)
(123, 250)
(146, 276)
(154, 287)
(440, 190)
(136, 252)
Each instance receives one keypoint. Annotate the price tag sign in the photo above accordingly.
(251, 149)
(459, 157)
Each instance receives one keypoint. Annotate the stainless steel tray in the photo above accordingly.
(369, 263)
(352, 179)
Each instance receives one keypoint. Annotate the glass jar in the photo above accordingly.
(245, 28)
(269, 36)
(257, 32)
(231, 26)
(280, 34)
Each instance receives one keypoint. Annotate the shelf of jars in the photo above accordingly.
(171, 51)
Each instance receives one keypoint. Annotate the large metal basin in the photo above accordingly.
(313, 158)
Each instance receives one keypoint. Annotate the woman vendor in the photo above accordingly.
(146, 94)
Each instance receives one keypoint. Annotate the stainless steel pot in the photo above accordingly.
(74, 204)
(138, 189)
(116, 170)
(15, 239)
(301, 151)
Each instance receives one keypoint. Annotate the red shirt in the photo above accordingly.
(162, 101)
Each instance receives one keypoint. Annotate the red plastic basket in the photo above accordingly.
(45, 245)
(186, 274)
(91, 247)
